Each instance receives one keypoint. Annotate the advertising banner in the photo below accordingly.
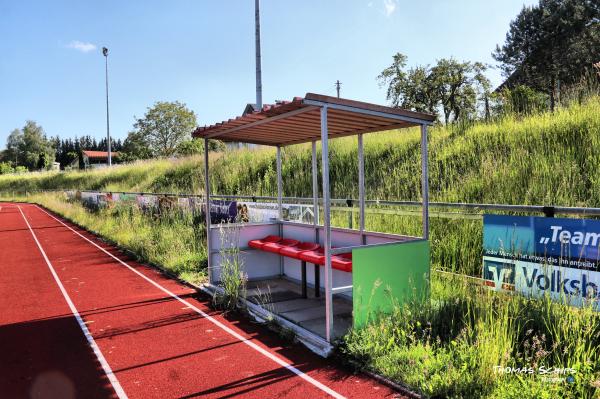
(105, 199)
(223, 211)
(147, 202)
(537, 256)
(127, 197)
(90, 199)
(262, 212)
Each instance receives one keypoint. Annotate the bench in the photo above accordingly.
(305, 252)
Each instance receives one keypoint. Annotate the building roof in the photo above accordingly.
(249, 109)
(299, 121)
(99, 154)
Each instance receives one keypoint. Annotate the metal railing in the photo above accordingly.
(547, 210)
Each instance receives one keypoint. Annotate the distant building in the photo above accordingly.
(249, 109)
(97, 159)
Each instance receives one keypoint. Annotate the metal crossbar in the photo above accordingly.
(548, 210)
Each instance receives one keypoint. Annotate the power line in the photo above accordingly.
(338, 84)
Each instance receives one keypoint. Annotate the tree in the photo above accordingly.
(410, 89)
(164, 126)
(135, 147)
(520, 100)
(6, 167)
(451, 87)
(552, 43)
(195, 147)
(14, 143)
(36, 150)
(29, 147)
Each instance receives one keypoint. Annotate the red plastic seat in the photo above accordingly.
(276, 246)
(316, 256)
(342, 262)
(258, 244)
(294, 252)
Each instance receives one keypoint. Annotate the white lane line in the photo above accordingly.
(105, 366)
(251, 344)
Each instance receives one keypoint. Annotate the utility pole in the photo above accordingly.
(338, 84)
(258, 61)
(105, 53)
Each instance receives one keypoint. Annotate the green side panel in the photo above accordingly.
(387, 275)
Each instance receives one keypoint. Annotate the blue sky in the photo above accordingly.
(202, 53)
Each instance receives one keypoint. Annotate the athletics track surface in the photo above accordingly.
(80, 319)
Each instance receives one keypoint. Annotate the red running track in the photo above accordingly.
(80, 319)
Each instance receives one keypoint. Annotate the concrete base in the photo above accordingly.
(280, 300)
(284, 298)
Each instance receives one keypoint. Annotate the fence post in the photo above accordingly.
(549, 211)
(350, 217)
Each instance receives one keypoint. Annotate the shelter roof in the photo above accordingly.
(299, 121)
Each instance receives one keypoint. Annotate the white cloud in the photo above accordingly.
(82, 46)
(389, 7)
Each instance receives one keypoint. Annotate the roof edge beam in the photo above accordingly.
(359, 110)
(262, 121)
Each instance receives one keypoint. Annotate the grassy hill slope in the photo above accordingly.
(547, 158)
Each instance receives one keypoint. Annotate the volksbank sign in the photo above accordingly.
(537, 256)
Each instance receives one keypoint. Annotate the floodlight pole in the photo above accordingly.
(207, 211)
(105, 53)
(425, 181)
(326, 225)
(258, 56)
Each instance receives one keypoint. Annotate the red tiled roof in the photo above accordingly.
(99, 154)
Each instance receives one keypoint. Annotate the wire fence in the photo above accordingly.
(457, 208)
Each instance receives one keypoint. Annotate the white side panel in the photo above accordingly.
(345, 238)
(256, 264)
(301, 232)
(245, 233)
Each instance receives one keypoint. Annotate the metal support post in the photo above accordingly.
(425, 181)
(280, 203)
(315, 187)
(279, 186)
(317, 280)
(361, 189)
(304, 283)
(326, 225)
(207, 212)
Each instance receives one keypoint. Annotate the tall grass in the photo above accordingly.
(460, 343)
(233, 278)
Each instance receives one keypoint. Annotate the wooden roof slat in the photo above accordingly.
(308, 124)
(299, 121)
